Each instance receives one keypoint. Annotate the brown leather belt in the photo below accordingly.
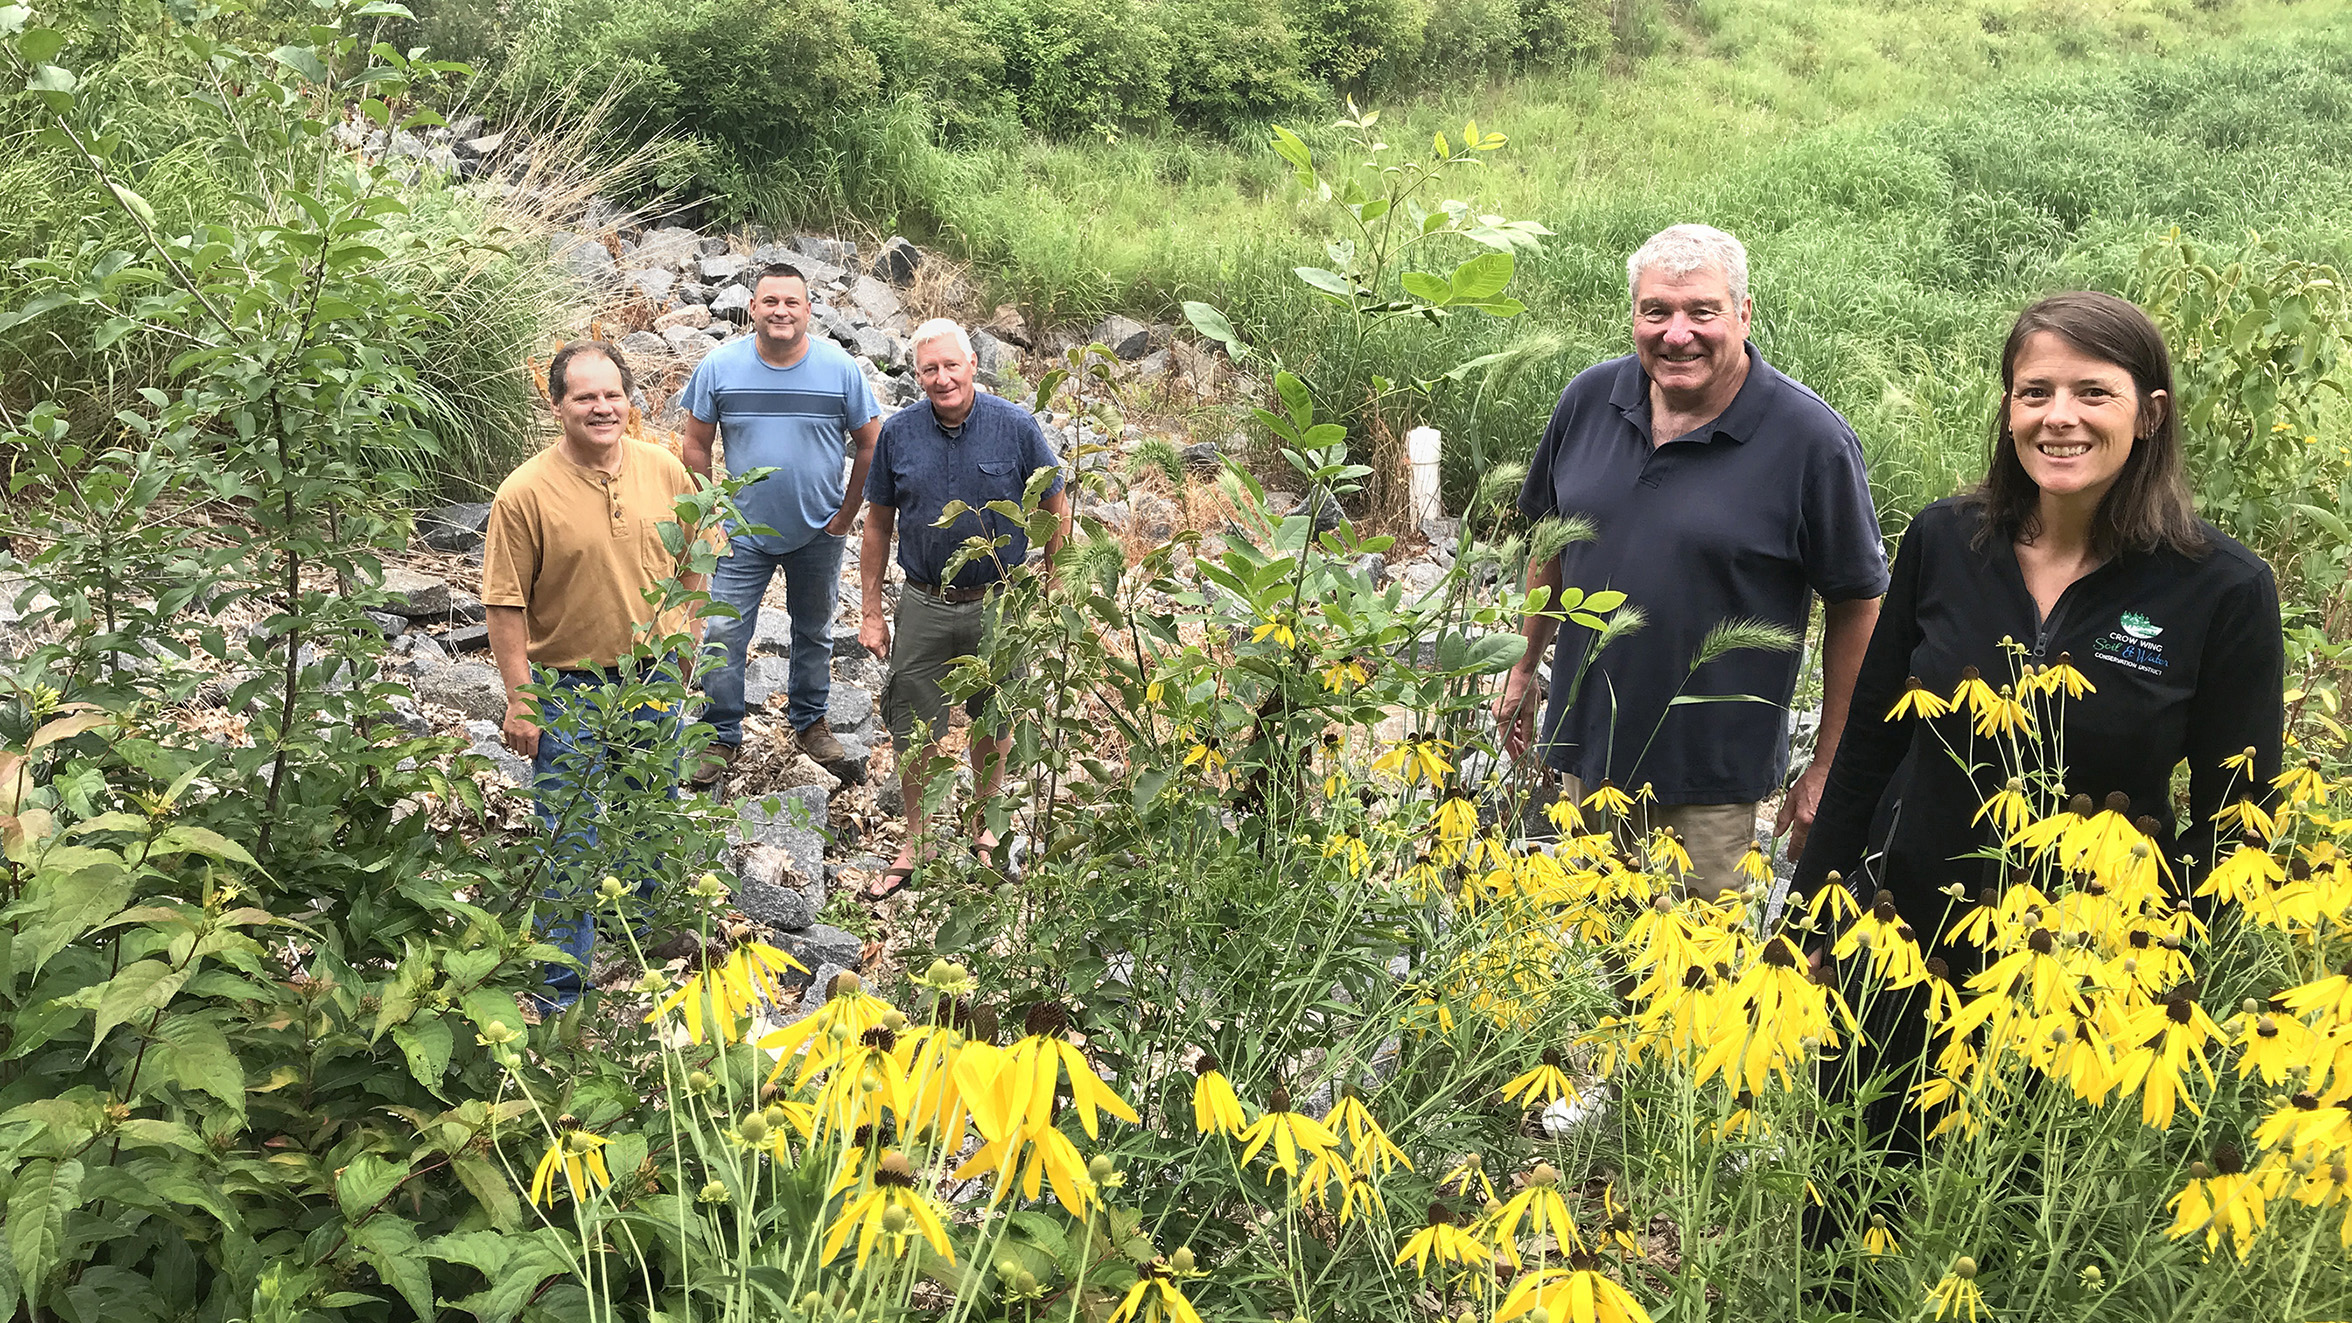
(952, 596)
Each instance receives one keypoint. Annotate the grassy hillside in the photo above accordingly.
(1906, 175)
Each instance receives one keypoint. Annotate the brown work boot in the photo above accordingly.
(716, 759)
(818, 743)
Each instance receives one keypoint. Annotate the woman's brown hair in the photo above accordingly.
(2149, 506)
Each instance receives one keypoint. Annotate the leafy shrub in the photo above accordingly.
(1359, 44)
(1232, 64)
(933, 50)
(1564, 31)
(1077, 66)
(1474, 36)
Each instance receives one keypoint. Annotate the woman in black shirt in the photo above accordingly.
(2080, 548)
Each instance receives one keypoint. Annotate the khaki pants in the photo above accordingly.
(1715, 835)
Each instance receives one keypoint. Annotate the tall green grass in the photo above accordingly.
(1906, 175)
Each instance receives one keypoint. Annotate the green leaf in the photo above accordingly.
(530, 1261)
(39, 45)
(1495, 652)
(12, 21)
(303, 60)
(1148, 786)
(55, 87)
(142, 988)
(427, 1044)
(200, 840)
(1608, 599)
(1212, 325)
(195, 1055)
(1330, 282)
(389, 1245)
(1290, 147)
(490, 1188)
(363, 1183)
(44, 1192)
(1426, 287)
(1482, 277)
(1296, 398)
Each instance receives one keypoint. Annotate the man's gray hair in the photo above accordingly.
(939, 328)
(1679, 250)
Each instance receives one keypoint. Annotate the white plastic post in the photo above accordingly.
(1421, 450)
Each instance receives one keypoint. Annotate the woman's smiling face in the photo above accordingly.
(2073, 417)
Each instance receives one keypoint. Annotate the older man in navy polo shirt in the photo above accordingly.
(958, 445)
(1720, 490)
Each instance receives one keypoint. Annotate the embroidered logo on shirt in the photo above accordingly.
(2133, 644)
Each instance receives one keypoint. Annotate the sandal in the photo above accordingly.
(890, 883)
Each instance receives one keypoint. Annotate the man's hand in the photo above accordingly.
(874, 632)
(518, 732)
(1514, 710)
(839, 524)
(1798, 806)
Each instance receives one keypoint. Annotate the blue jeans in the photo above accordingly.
(812, 581)
(569, 774)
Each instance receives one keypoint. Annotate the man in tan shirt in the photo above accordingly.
(573, 547)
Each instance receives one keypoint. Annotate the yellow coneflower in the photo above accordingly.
(579, 1156)
(1022, 1098)
(1607, 798)
(1043, 1157)
(1417, 758)
(1754, 866)
(2330, 996)
(2241, 762)
(751, 973)
(1565, 1296)
(1667, 854)
(1441, 1242)
(2063, 676)
(2241, 878)
(1918, 701)
(1155, 1296)
(2247, 818)
(1836, 898)
(1370, 1147)
(2171, 1036)
(1539, 1205)
(2003, 716)
(1957, 1291)
(848, 1008)
(1345, 674)
(1467, 1174)
(1216, 1109)
(1291, 1133)
(1203, 753)
(1277, 628)
(1974, 694)
(1456, 820)
(889, 1206)
(2221, 1198)
(1879, 1239)
(1548, 1082)
(1566, 816)
(2008, 808)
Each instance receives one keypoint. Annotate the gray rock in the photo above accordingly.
(878, 299)
(1202, 460)
(887, 350)
(784, 829)
(454, 528)
(711, 247)
(817, 984)
(838, 251)
(1152, 366)
(584, 259)
(465, 608)
(847, 647)
(850, 709)
(771, 634)
(769, 889)
(653, 285)
(465, 638)
(822, 944)
(804, 804)
(898, 261)
(815, 270)
(415, 595)
(472, 688)
(403, 715)
(1124, 336)
(645, 344)
(837, 326)
(422, 648)
(692, 316)
(671, 248)
(724, 268)
(478, 148)
(390, 626)
(409, 146)
(689, 345)
(994, 359)
(732, 303)
(1323, 506)
(465, 126)
(764, 678)
(890, 797)
(486, 742)
(1374, 565)
(695, 292)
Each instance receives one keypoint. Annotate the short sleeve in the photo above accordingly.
(510, 553)
(1041, 455)
(1536, 494)
(702, 391)
(881, 476)
(857, 400)
(1838, 540)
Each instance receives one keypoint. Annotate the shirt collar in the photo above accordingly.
(1738, 421)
